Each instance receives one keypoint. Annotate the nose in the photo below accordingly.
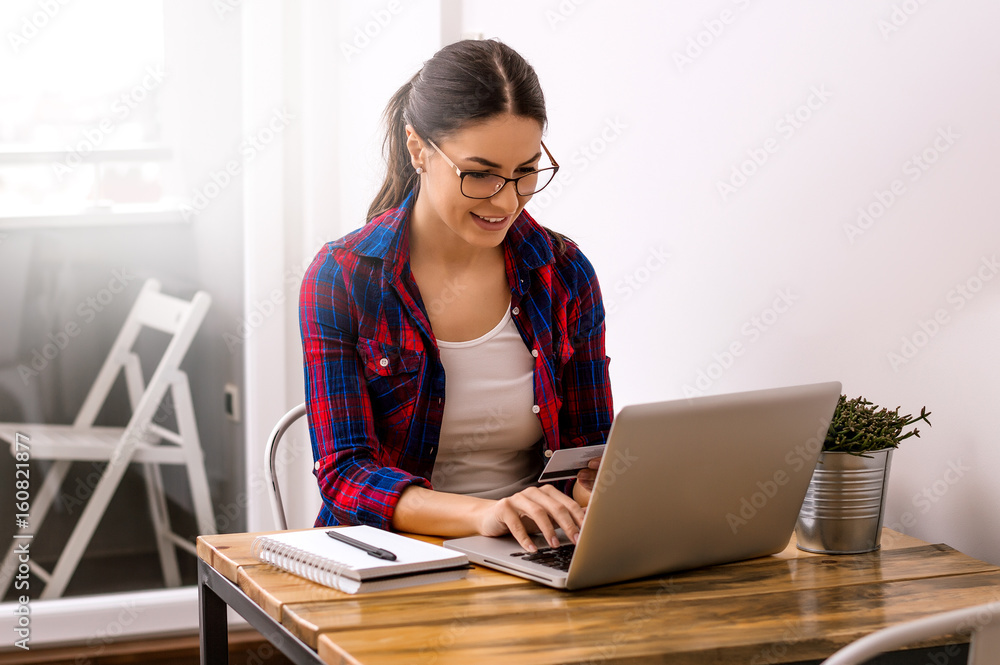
(506, 198)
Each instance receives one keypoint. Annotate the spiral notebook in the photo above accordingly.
(317, 557)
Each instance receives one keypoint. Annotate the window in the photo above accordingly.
(80, 113)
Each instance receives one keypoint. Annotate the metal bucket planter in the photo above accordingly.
(843, 509)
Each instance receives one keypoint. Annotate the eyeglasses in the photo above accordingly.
(482, 185)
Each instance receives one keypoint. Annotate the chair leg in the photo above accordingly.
(161, 524)
(39, 509)
(85, 527)
(200, 494)
(194, 457)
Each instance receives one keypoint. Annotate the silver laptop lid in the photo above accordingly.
(695, 482)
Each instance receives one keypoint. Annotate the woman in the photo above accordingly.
(450, 277)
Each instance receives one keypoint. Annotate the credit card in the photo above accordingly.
(566, 463)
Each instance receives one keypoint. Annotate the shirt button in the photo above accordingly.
(516, 310)
(534, 353)
(535, 409)
(384, 362)
(548, 453)
(316, 466)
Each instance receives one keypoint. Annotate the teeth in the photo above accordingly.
(492, 220)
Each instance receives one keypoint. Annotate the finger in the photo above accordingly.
(548, 503)
(529, 510)
(594, 463)
(507, 515)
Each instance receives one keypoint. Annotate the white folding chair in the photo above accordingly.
(271, 455)
(981, 622)
(142, 440)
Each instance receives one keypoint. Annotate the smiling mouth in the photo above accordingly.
(492, 220)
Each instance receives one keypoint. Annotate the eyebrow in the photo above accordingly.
(494, 165)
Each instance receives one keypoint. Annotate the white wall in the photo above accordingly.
(885, 80)
(645, 139)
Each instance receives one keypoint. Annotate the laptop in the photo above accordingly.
(684, 484)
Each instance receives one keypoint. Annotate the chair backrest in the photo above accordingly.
(981, 622)
(180, 318)
(270, 459)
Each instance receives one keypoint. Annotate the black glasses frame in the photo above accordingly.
(461, 174)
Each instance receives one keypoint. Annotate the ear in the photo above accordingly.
(415, 146)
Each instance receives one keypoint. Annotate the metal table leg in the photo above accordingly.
(215, 592)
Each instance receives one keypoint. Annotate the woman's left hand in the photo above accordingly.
(584, 485)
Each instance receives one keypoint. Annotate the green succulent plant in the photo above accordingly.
(859, 427)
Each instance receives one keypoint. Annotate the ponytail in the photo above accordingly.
(400, 176)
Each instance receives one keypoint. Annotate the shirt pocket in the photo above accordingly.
(392, 374)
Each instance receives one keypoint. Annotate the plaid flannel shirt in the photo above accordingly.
(374, 382)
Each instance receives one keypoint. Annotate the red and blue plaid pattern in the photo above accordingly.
(374, 382)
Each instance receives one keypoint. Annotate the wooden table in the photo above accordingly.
(790, 607)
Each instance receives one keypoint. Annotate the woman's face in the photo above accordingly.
(506, 145)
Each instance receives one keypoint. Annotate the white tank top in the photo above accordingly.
(488, 430)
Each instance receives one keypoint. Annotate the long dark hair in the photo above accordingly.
(468, 81)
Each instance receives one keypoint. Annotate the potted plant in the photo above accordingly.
(843, 509)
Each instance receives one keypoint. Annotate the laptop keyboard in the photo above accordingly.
(553, 557)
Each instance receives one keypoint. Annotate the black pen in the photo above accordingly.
(376, 552)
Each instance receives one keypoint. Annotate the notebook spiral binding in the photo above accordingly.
(321, 570)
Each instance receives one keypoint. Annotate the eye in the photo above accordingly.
(477, 175)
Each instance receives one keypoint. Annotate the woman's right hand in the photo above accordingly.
(533, 510)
